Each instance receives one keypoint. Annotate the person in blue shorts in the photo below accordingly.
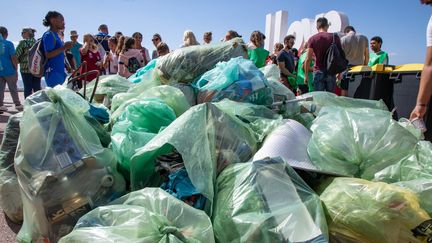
(54, 49)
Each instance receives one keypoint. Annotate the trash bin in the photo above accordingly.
(407, 80)
(372, 83)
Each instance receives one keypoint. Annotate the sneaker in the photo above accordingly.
(3, 108)
(19, 107)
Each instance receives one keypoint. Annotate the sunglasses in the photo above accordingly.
(155, 39)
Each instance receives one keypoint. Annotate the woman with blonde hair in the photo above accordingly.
(189, 39)
(130, 59)
(31, 83)
(257, 53)
(90, 54)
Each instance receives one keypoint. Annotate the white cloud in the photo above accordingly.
(392, 54)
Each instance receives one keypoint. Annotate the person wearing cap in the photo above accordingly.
(75, 50)
(8, 70)
(156, 40)
(31, 83)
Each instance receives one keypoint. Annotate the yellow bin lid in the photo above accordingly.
(413, 67)
(378, 68)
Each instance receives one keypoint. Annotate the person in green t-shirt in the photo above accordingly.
(377, 56)
(303, 88)
(257, 54)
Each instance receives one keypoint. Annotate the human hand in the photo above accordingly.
(418, 112)
(68, 45)
(306, 79)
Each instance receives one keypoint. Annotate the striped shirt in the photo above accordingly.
(22, 52)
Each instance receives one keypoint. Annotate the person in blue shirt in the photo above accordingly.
(54, 49)
(75, 50)
(8, 70)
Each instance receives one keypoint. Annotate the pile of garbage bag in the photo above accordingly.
(207, 139)
(62, 168)
(201, 146)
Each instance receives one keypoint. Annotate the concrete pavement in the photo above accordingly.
(8, 229)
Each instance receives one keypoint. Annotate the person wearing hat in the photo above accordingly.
(75, 50)
(31, 83)
(156, 40)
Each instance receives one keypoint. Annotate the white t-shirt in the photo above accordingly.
(429, 33)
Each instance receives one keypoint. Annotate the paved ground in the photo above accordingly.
(8, 230)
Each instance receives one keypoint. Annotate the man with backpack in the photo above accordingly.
(319, 44)
(54, 49)
(8, 70)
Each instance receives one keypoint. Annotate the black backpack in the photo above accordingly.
(335, 59)
(133, 65)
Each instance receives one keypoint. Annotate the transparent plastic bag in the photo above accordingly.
(260, 119)
(358, 142)
(184, 65)
(172, 96)
(137, 77)
(237, 79)
(108, 85)
(373, 212)
(322, 99)
(271, 72)
(416, 165)
(148, 215)
(136, 126)
(266, 201)
(10, 198)
(62, 168)
(207, 139)
(423, 189)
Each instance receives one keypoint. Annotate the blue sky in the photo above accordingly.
(401, 23)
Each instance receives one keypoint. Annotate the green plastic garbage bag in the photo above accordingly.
(358, 142)
(136, 126)
(108, 85)
(137, 77)
(184, 65)
(62, 168)
(172, 96)
(266, 201)
(322, 99)
(260, 119)
(271, 72)
(237, 79)
(10, 198)
(207, 139)
(148, 215)
(373, 212)
(423, 189)
(416, 165)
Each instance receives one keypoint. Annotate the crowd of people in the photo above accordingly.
(301, 71)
